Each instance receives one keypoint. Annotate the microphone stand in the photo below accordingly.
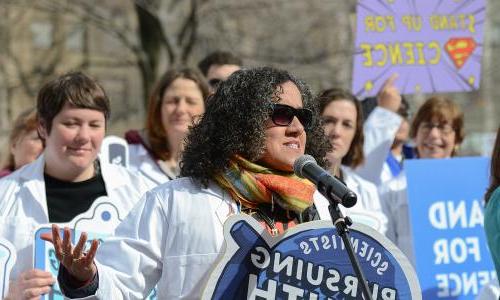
(342, 224)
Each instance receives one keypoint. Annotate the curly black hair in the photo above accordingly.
(234, 123)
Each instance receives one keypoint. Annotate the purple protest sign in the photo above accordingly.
(434, 46)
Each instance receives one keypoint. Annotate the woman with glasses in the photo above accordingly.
(238, 159)
(343, 124)
(437, 130)
(176, 103)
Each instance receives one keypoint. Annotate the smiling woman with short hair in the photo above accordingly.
(66, 179)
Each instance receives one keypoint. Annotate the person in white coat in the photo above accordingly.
(238, 159)
(400, 149)
(66, 179)
(24, 143)
(343, 124)
(380, 130)
(176, 103)
(437, 130)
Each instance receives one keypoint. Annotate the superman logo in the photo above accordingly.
(459, 50)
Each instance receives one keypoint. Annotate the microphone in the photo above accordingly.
(329, 186)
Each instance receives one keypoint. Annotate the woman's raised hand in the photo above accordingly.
(388, 96)
(78, 263)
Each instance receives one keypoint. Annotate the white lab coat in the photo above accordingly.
(141, 161)
(23, 204)
(367, 211)
(394, 200)
(386, 174)
(172, 238)
(379, 130)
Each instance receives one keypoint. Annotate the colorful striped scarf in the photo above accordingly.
(252, 184)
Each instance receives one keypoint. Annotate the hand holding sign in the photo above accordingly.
(388, 96)
(78, 263)
(31, 284)
(98, 222)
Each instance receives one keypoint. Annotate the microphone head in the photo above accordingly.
(349, 199)
(300, 162)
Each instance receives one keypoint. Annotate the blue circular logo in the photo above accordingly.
(106, 216)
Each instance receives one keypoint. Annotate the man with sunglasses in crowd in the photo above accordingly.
(218, 66)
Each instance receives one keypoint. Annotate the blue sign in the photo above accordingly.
(45, 259)
(114, 150)
(98, 222)
(307, 262)
(7, 260)
(446, 212)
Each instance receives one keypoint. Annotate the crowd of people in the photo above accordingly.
(218, 140)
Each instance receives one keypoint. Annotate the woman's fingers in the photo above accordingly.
(35, 273)
(39, 282)
(77, 252)
(35, 293)
(31, 284)
(66, 240)
(67, 249)
(56, 241)
(388, 96)
(389, 82)
(73, 259)
(89, 258)
(47, 237)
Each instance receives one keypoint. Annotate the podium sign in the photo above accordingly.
(307, 262)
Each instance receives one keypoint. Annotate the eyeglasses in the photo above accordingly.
(444, 128)
(283, 115)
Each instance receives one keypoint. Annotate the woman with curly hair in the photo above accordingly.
(176, 103)
(238, 159)
(343, 124)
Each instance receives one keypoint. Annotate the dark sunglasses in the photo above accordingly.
(283, 115)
